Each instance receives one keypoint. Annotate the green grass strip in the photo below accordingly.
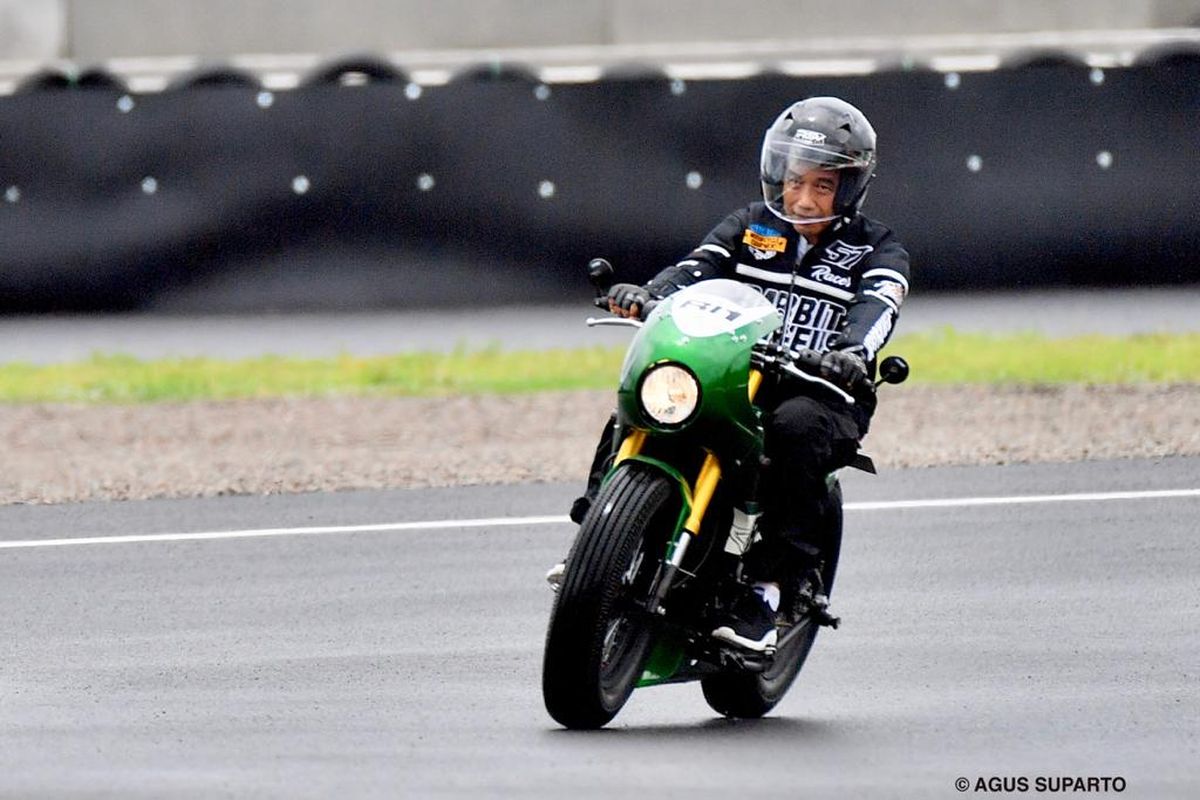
(947, 356)
(944, 356)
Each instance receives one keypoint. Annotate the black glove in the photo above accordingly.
(627, 295)
(845, 368)
(807, 359)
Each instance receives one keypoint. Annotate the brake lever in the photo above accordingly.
(600, 322)
(792, 369)
(785, 360)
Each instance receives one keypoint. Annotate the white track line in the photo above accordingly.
(496, 522)
(1090, 497)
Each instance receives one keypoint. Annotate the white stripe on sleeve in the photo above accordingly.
(715, 248)
(877, 337)
(889, 302)
(890, 274)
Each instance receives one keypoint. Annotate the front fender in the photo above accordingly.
(685, 489)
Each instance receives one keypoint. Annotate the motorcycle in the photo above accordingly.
(658, 554)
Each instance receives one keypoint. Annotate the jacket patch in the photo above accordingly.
(764, 242)
(844, 256)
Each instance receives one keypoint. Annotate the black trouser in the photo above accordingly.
(806, 439)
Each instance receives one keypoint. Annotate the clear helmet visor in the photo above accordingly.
(801, 175)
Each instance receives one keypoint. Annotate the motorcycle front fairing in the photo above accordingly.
(708, 328)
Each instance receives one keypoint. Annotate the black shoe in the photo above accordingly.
(750, 624)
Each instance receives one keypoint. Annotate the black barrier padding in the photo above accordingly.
(99, 79)
(496, 71)
(44, 80)
(224, 76)
(487, 190)
(368, 66)
(1180, 52)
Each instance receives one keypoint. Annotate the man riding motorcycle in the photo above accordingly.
(838, 279)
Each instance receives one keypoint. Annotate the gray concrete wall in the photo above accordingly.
(93, 30)
(32, 29)
(106, 28)
(684, 20)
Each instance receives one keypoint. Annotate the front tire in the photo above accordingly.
(598, 640)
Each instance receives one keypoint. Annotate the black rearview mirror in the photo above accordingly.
(893, 369)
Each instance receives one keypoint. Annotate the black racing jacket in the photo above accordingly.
(844, 292)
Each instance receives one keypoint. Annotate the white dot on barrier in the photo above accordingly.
(301, 184)
(12, 195)
(149, 185)
(546, 190)
(412, 91)
(953, 80)
(678, 87)
(974, 163)
(1096, 76)
(265, 99)
(1104, 159)
(542, 92)
(425, 181)
(125, 104)
(694, 180)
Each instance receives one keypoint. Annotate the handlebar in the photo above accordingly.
(803, 364)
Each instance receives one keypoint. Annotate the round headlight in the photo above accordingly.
(669, 394)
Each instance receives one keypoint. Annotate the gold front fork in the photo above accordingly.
(702, 493)
(756, 379)
(631, 446)
(710, 473)
(710, 470)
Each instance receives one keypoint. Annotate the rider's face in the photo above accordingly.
(809, 193)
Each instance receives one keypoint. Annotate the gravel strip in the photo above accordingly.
(62, 453)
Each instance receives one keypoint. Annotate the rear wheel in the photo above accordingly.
(750, 695)
(599, 638)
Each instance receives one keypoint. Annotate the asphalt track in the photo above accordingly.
(1010, 639)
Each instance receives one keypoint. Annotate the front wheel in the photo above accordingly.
(599, 638)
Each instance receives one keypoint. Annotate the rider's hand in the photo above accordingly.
(627, 300)
(845, 368)
(807, 359)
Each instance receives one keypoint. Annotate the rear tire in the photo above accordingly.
(749, 695)
(597, 643)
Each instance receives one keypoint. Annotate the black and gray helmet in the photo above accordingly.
(821, 133)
